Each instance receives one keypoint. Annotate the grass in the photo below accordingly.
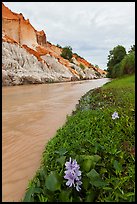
(104, 148)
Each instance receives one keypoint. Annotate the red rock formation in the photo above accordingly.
(31, 51)
(86, 63)
(16, 27)
(53, 48)
(42, 50)
(6, 38)
(82, 60)
(7, 13)
(41, 37)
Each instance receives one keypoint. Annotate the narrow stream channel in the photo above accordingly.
(31, 115)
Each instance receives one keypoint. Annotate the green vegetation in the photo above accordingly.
(132, 49)
(120, 62)
(102, 146)
(114, 58)
(82, 66)
(128, 63)
(96, 66)
(67, 53)
(58, 46)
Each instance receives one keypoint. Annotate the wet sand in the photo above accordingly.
(31, 115)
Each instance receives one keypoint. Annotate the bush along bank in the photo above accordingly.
(92, 157)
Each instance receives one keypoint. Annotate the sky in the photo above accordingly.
(92, 29)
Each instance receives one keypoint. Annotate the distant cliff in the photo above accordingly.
(27, 56)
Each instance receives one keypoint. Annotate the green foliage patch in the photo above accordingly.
(67, 52)
(120, 62)
(82, 66)
(104, 148)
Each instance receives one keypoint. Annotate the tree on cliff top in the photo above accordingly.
(66, 52)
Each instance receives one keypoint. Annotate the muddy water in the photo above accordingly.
(31, 114)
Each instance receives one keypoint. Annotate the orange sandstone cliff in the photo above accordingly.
(16, 27)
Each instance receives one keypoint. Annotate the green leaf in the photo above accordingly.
(76, 199)
(89, 161)
(103, 170)
(62, 151)
(52, 182)
(90, 196)
(98, 182)
(93, 174)
(95, 179)
(64, 196)
(107, 188)
(129, 194)
(29, 194)
(61, 160)
(87, 164)
(96, 158)
(85, 183)
(97, 146)
(117, 166)
(42, 198)
(85, 157)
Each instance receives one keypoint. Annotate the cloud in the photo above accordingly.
(92, 29)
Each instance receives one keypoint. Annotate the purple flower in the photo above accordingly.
(73, 174)
(115, 115)
(71, 177)
(77, 185)
(71, 164)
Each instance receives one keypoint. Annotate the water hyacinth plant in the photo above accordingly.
(73, 174)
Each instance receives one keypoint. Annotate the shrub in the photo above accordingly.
(58, 46)
(82, 66)
(127, 65)
(67, 53)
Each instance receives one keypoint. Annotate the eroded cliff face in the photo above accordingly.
(41, 37)
(27, 56)
(21, 67)
(15, 26)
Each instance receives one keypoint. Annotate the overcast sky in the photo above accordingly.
(92, 29)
